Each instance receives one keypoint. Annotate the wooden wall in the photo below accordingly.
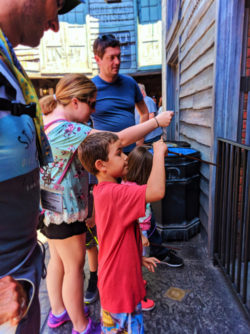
(136, 23)
(190, 49)
(119, 19)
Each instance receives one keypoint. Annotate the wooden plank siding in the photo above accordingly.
(196, 61)
(120, 20)
(195, 40)
(136, 23)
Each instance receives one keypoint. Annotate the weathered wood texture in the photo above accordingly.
(118, 19)
(196, 54)
(195, 37)
(137, 24)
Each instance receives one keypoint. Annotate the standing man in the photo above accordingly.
(152, 109)
(23, 149)
(117, 94)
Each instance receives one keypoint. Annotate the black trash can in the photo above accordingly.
(177, 214)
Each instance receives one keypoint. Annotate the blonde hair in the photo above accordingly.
(69, 87)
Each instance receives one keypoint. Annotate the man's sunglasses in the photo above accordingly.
(106, 37)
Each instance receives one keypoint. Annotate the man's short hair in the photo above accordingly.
(103, 42)
(95, 147)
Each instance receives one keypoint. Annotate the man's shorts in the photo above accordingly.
(123, 323)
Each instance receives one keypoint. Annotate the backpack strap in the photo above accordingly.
(16, 108)
(9, 89)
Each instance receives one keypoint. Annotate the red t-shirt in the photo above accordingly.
(117, 208)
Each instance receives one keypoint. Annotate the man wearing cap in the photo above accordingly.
(23, 149)
(117, 94)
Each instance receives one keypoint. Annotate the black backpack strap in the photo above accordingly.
(9, 89)
(18, 109)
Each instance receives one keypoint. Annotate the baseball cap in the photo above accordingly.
(68, 5)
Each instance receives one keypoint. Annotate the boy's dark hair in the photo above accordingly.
(95, 147)
(140, 162)
(103, 42)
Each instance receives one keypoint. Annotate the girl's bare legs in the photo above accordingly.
(72, 254)
(54, 280)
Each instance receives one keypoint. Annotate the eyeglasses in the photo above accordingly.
(90, 104)
(60, 4)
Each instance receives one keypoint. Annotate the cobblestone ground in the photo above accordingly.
(207, 306)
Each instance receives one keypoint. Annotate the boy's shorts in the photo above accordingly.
(90, 241)
(123, 323)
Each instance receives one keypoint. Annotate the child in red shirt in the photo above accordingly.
(117, 208)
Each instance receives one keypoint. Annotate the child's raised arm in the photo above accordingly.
(156, 182)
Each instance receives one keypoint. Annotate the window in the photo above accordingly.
(149, 10)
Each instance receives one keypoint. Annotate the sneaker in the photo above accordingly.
(92, 328)
(172, 260)
(147, 304)
(54, 321)
(91, 293)
(86, 311)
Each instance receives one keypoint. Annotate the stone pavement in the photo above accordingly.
(207, 306)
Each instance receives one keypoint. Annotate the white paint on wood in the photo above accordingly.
(200, 100)
(206, 22)
(197, 133)
(197, 15)
(203, 149)
(200, 117)
(204, 44)
(198, 83)
(205, 61)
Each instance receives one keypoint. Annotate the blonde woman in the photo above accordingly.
(65, 117)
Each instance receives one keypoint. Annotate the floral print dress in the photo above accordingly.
(64, 140)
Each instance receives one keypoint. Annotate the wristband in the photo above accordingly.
(158, 125)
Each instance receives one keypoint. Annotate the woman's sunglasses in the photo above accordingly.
(90, 104)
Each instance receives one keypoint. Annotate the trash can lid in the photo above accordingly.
(182, 150)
